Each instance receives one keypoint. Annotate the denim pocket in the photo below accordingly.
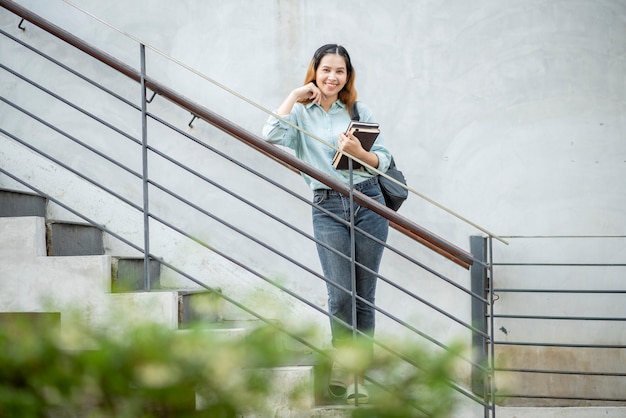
(319, 197)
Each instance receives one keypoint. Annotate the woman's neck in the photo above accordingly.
(327, 102)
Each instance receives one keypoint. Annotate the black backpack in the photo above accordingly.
(394, 194)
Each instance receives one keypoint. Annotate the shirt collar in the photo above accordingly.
(338, 103)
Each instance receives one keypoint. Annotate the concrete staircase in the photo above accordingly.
(52, 271)
(39, 275)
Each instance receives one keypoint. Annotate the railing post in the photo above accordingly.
(491, 383)
(353, 268)
(479, 280)
(352, 252)
(144, 177)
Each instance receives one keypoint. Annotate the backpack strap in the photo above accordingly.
(354, 112)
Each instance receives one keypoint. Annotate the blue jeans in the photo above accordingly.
(337, 269)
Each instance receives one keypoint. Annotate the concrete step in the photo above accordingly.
(127, 274)
(200, 306)
(291, 395)
(560, 412)
(34, 321)
(120, 309)
(23, 237)
(54, 283)
(14, 204)
(72, 239)
(344, 411)
(501, 412)
(292, 377)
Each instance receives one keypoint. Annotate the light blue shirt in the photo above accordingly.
(327, 126)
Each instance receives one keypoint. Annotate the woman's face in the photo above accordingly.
(331, 75)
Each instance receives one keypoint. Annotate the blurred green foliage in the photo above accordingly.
(149, 371)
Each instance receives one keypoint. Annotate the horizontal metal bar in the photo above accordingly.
(564, 291)
(540, 344)
(568, 318)
(571, 398)
(562, 236)
(560, 264)
(561, 372)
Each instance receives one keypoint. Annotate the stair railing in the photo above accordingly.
(402, 224)
(568, 309)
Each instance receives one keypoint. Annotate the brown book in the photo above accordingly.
(366, 132)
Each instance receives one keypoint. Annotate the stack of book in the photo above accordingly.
(366, 132)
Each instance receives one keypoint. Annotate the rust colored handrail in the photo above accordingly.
(423, 236)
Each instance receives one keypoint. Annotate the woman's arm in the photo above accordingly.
(309, 91)
(280, 133)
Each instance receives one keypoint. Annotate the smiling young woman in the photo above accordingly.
(321, 106)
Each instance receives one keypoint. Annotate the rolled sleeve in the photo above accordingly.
(384, 159)
(277, 131)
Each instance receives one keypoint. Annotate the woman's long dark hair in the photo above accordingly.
(348, 94)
